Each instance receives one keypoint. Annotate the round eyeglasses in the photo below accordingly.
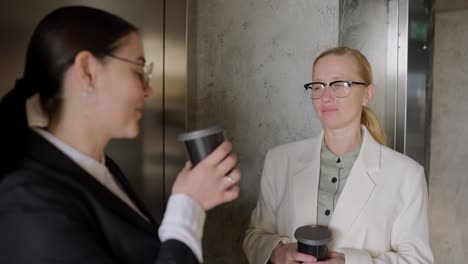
(339, 88)
(147, 68)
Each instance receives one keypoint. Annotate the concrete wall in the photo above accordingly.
(448, 181)
(363, 26)
(247, 63)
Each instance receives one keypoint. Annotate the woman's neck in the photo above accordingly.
(80, 138)
(343, 140)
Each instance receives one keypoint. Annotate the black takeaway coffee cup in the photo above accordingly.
(313, 240)
(200, 143)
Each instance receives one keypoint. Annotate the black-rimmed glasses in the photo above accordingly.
(339, 88)
(147, 68)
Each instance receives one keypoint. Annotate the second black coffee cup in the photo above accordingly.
(200, 143)
(313, 240)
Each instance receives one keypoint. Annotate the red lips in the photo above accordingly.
(327, 109)
(139, 111)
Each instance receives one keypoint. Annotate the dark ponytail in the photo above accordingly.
(56, 41)
(14, 123)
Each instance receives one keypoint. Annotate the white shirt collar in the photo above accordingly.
(90, 165)
(96, 169)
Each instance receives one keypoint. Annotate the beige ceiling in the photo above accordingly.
(451, 5)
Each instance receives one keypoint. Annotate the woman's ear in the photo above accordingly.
(86, 66)
(369, 94)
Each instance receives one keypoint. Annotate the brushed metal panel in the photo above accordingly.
(369, 26)
(401, 106)
(175, 89)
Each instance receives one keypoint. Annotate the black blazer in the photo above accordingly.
(52, 211)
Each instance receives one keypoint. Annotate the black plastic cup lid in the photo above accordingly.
(200, 133)
(313, 235)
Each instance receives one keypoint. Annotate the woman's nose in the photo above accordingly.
(148, 92)
(327, 94)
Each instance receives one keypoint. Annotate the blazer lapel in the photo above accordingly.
(358, 189)
(305, 181)
(125, 184)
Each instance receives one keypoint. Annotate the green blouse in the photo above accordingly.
(334, 172)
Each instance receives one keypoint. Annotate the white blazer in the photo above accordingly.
(380, 217)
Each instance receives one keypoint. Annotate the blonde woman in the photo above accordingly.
(372, 198)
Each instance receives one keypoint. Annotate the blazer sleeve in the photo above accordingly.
(410, 231)
(175, 252)
(38, 226)
(261, 236)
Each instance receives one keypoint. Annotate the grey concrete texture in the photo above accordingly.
(448, 180)
(247, 63)
(363, 26)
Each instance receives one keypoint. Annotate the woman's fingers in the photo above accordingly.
(231, 179)
(219, 154)
(213, 181)
(221, 160)
(305, 258)
(231, 193)
(227, 165)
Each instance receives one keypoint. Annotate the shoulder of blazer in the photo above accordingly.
(393, 156)
(47, 166)
(33, 187)
(285, 160)
(392, 167)
(298, 150)
(401, 170)
(378, 156)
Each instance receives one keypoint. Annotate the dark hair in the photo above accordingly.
(56, 41)
(59, 37)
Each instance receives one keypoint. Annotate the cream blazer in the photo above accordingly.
(380, 217)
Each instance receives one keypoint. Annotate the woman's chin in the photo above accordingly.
(333, 124)
(129, 133)
(339, 124)
(134, 132)
(330, 123)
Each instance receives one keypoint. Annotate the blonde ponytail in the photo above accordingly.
(369, 119)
